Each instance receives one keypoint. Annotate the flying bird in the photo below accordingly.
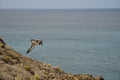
(34, 43)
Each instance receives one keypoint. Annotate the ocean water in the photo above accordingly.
(79, 41)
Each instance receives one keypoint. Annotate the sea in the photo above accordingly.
(79, 41)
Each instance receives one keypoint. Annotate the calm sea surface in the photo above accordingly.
(79, 41)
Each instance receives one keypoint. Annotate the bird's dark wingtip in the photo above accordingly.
(27, 52)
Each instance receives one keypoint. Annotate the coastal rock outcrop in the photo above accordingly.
(15, 66)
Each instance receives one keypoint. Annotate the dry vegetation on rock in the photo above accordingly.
(14, 66)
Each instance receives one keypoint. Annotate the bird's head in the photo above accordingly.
(40, 42)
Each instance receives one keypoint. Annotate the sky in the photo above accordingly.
(59, 4)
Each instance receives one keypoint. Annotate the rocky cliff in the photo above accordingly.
(15, 66)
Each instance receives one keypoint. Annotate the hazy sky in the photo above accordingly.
(58, 4)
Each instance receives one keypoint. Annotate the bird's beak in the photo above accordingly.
(41, 43)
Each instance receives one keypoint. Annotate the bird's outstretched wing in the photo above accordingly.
(30, 49)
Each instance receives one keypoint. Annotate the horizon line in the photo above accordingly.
(59, 9)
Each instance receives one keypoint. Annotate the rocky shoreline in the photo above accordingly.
(15, 66)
